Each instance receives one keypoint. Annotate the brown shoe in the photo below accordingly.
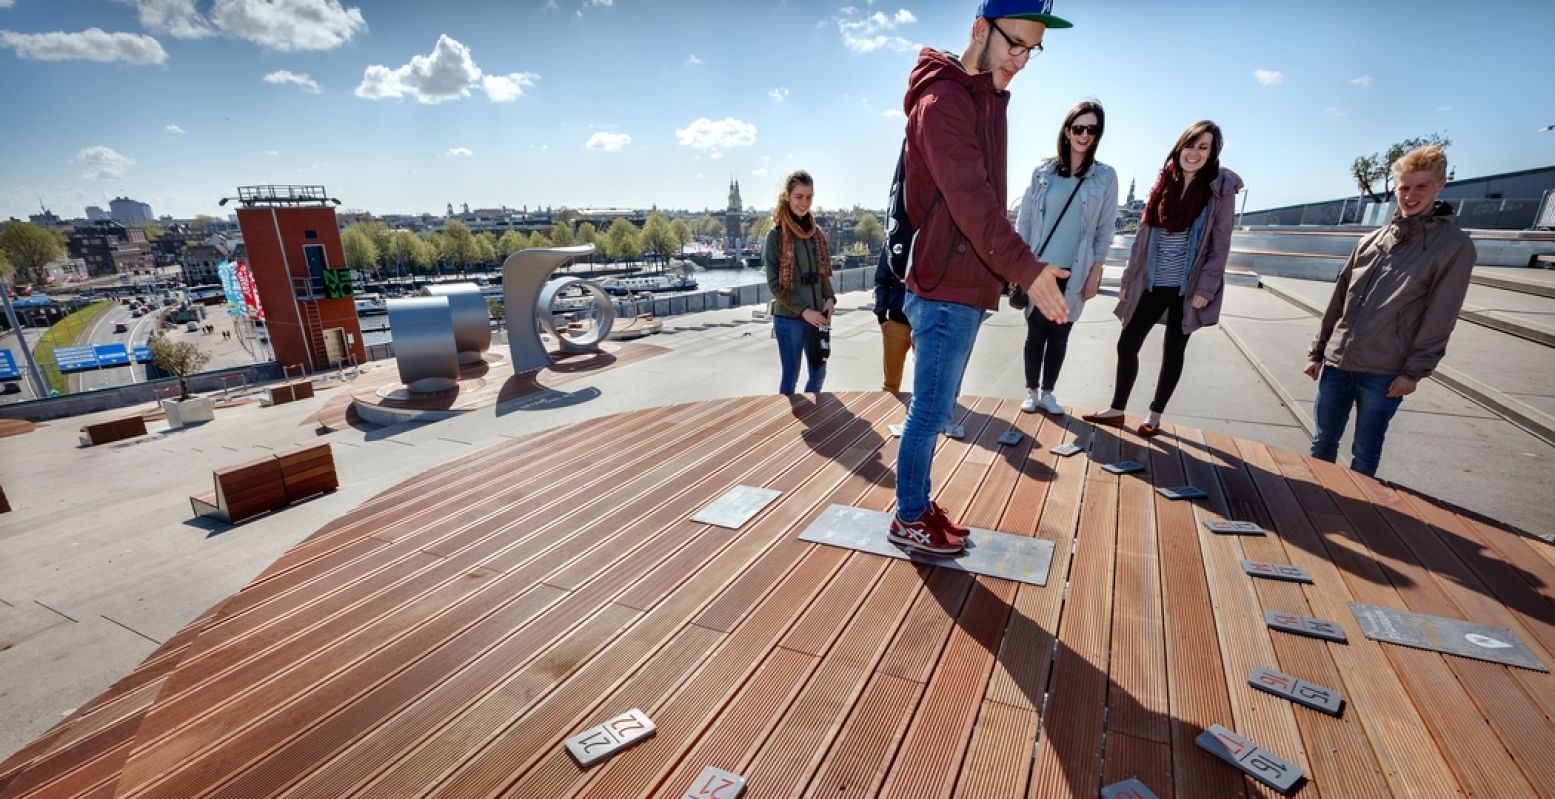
(1110, 421)
(1147, 429)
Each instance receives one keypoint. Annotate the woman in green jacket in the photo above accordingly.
(799, 275)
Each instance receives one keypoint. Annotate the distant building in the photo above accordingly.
(733, 215)
(200, 258)
(124, 209)
(94, 245)
(46, 219)
(95, 214)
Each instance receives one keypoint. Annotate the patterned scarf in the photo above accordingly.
(788, 228)
(1168, 208)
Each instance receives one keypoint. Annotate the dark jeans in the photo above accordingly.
(1339, 390)
(1046, 345)
(791, 332)
(1163, 299)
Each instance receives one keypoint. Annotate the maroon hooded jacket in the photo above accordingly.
(965, 250)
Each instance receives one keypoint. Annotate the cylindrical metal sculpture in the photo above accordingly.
(472, 320)
(424, 348)
(523, 274)
(568, 340)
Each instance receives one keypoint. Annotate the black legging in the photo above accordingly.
(1156, 301)
(1046, 345)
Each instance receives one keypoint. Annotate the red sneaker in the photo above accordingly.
(943, 519)
(924, 535)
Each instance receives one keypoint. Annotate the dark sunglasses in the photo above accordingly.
(1081, 130)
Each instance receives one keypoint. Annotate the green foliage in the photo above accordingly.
(202, 221)
(1368, 170)
(869, 231)
(588, 234)
(486, 247)
(657, 237)
(152, 230)
(6, 270)
(30, 249)
(757, 231)
(512, 241)
(410, 250)
(682, 233)
(540, 240)
(361, 251)
(623, 241)
(457, 244)
(707, 227)
(562, 236)
(64, 333)
(179, 358)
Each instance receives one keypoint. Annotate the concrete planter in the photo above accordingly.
(195, 410)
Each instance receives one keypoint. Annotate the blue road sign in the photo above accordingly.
(142, 354)
(8, 370)
(112, 355)
(74, 359)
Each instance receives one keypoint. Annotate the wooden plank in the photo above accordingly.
(859, 758)
(998, 759)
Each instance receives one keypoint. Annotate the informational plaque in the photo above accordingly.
(1124, 467)
(736, 506)
(1228, 527)
(1276, 571)
(1304, 625)
(597, 743)
(715, 783)
(1259, 763)
(1130, 788)
(1438, 634)
(1302, 692)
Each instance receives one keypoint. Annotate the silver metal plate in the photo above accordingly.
(896, 430)
(1304, 625)
(1124, 467)
(1276, 571)
(715, 783)
(1301, 692)
(1181, 492)
(1010, 438)
(955, 431)
(1438, 634)
(599, 742)
(736, 506)
(1259, 763)
(1130, 788)
(1228, 527)
(996, 554)
(1065, 450)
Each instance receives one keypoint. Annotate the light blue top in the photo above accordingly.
(1095, 209)
(1063, 244)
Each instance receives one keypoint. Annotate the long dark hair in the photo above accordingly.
(1081, 108)
(1169, 207)
(1211, 168)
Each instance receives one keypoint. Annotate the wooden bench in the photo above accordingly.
(115, 430)
(269, 483)
(290, 392)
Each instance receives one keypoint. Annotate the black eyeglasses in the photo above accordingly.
(1081, 130)
(1016, 48)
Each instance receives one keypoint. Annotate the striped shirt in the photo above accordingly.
(1171, 259)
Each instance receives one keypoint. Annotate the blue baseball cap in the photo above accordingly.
(1035, 10)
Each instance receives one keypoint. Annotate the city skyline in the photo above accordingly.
(406, 108)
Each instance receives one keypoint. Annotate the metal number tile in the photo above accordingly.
(1304, 625)
(1276, 571)
(1228, 527)
(1299, 691)
(715, 783)
(1181, 492)
(1065, 450)
(1010, 438)
(955, 431)
(1124, 467)
(601, 741)
(1257, 762)
(1130, 788)
(736, 507)
(1317, 697)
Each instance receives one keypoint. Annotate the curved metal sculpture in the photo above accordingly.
(472, 319)
(524, 274)
(424, 347)
(587, 340)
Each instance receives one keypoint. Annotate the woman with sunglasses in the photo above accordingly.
(1176, 267)
(799, 274)
(1066, 217)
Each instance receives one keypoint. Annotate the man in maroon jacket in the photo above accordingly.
(965, 251)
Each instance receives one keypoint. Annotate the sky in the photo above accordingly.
(405, 106)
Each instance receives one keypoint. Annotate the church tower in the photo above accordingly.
(732, 218)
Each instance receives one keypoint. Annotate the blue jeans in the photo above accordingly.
(942, 337)
(791, 332)
(1338, 390)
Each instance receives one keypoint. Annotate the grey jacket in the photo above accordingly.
(1210, 242)
(1097, 207)
(1397, 299)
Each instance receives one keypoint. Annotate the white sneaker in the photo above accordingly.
(1029, 405)
(1049, 404)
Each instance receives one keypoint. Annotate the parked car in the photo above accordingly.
(192, 327)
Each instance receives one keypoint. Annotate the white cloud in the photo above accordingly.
(282, 76)
(1269, 77)
(692, 60)
(176, 18)
(7, 3)
(509, 87)
(779, 94)
(762, 172)
(272, 153)
(92, 44)
(609, 142)
(715, 137)
(103, 163)
(892, 112)
(863, 33)
(447, 74)
(172, 128)
(1444, 108)
(460, 152)
(287, 25)
(1363, 81)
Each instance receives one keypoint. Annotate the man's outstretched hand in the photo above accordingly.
(1046, 297)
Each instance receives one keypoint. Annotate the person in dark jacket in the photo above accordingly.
(965, 251)
(895, 331)
(1393, 308)
(1176, 268)
(799, 275)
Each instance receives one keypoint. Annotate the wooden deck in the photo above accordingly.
(445, 638)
